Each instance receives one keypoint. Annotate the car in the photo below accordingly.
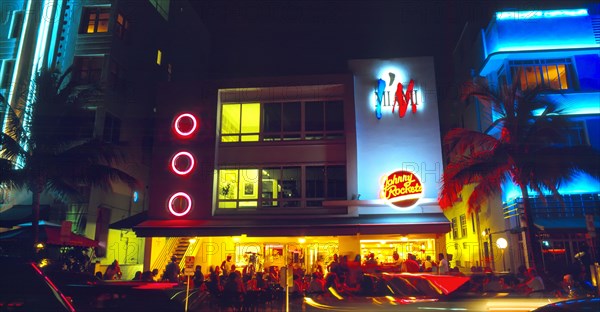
(89, 294)
(25, 287)
(419, 292)
(572, 305)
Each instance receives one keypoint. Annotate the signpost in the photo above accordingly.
(189, 271)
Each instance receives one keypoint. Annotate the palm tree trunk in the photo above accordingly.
(531, 248)
(35, 207)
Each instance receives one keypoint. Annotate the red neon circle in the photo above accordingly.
(177, 124)
(175, 159)
(186, 210)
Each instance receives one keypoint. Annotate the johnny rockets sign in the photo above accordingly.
(401, 188)
(392, 95)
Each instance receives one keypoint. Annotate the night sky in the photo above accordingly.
(273, 38)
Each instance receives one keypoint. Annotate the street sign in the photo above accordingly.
(189, 265)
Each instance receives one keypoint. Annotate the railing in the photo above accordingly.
(163, 258)
(192, 250)
(548, 207)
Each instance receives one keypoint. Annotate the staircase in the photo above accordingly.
(181, 248)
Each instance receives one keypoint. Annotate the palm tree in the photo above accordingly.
(530, 152)
(49, 148)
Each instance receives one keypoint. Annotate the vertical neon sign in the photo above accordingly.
(183, 163)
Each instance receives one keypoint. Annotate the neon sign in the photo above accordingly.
(180, 204)
(179, 160)
(185, 124)
(384, 96)
(182, 163)
(401, 189)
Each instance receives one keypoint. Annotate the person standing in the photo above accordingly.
(226, 266)
(172, 271)
(113, 271)
(443, 264)
(198, 278)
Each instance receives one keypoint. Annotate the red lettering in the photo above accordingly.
(404, 98)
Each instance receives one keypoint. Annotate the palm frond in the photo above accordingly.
(459, 141)
(482, 167)
(489, 186)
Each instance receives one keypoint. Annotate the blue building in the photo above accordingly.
(559, 49)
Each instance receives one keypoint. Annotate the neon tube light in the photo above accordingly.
(172, 201)
(177, 124)
(516, 15)
(175, 161)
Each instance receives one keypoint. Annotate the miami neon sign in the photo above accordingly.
(387, 98)
(401, 188)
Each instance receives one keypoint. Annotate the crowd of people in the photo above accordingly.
(229, 285)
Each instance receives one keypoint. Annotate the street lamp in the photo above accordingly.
(487, 235)
(502, 244)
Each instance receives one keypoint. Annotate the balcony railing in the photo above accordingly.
(549, 207)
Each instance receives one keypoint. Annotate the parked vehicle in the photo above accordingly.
(89, 294)
(419, 292)
(572, 305)
(24, 287)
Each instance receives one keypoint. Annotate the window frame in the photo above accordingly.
(121, 29)
(463, 225)
(541, 66)
(454, 228)
(283, 135)
(281, 201)
(94, 74)
(86, 19)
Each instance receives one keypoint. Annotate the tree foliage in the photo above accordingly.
(50, 147)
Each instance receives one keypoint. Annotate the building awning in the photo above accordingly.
(50, 234)
(19, 214)
(130, 222)
(565, 224)
(423, 223)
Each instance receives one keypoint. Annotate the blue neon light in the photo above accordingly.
(514, 15)
(581, 184)
(379, 92)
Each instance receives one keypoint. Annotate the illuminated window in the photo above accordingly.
(282, 121)
(162, 6)
(158, 57)
(463, 225)
(240, 122)
(454, 229)
(95, 20)
(280, 187)
(553, 74)
(121, 26)
(238, 188)
(88, 69)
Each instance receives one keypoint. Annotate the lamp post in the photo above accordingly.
(502, 244)
(487, 235)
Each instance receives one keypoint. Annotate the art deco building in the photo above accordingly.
(124, 46)
(558, 49)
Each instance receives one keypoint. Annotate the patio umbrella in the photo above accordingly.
(49, 234)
